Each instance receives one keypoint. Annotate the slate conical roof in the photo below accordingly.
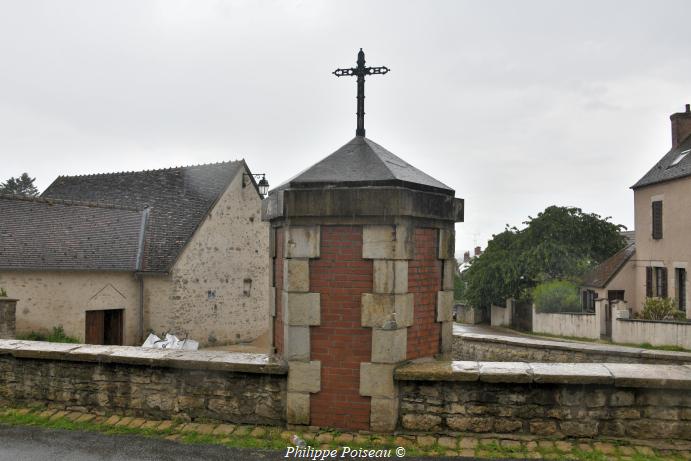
(362, 162)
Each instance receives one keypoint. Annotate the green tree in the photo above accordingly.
(556, 296)
(23, 185)
(559, 243)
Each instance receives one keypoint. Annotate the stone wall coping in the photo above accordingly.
(564, 313)
(617, 374)
(194, 360)
(672, 322)
(578, 347)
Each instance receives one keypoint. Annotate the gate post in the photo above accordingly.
(363, 261)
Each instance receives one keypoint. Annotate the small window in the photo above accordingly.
(657, 220)
(680, 157)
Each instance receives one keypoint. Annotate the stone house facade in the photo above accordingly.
(112, 256)
(657, 264)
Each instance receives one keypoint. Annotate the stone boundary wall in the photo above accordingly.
(151, 383)
(657, 333)
(547, 399)
(578, 325)
(472, 346)
(8, 318)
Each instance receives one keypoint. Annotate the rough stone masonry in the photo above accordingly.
(547, 399)
(8, 318)
(154, 383)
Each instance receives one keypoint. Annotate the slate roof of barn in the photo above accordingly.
(664, 170)
(601, 274)
(178, 200)
(45, 234)
(363, 162)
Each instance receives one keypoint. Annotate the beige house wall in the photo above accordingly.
(49, 299)
(625, 280)
(674, 249)
(230, 246)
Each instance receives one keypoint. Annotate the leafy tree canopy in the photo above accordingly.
(23, 185)
(560, 243)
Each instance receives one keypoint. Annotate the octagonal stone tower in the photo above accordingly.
(362, 248)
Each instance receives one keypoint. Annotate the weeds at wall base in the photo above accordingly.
(275, 438)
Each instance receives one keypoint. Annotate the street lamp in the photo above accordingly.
(262, 184)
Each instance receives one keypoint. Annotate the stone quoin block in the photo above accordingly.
(301, 242)
(389, 346)
(446, 337)
(383, 414)
(304, 376)
(301, 309)
(390, 276)
(447, 244)
(298, 408)
(444, 306)
(376, 380)
(387, 242)
(296, 275)
(296, 342)
(449, 271)
(272, 301)
(377, 309)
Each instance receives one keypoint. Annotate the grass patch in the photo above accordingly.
(57, 335)
(603, 341)
(583, 455)
(662, 348)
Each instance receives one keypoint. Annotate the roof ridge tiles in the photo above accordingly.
(112, 173)
(58, 201)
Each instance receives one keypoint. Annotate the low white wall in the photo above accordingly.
(501, 316)
(578, 325)
(652, 332)
(467, 314)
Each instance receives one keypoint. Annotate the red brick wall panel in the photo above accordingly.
(340, 275)
(424, 280)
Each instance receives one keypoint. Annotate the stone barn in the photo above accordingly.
(111, 256)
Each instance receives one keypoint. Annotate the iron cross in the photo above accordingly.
(360, 71)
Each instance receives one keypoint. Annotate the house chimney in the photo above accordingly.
(681, 126)
(466, 256)
(478, 251)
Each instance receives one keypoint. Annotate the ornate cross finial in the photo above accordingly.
(360, 71)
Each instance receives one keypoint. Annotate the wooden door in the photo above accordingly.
(104, 327)
(94, 327)
(112, 327)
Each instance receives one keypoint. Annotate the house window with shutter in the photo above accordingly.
(681, 288)
(657, 220)
(656, 282)
(588, 298)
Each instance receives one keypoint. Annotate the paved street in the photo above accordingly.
(23, 443)
(32, 443)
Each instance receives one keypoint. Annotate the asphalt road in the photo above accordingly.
(25, 443)
(32, 443)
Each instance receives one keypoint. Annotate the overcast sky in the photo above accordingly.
(516, 105)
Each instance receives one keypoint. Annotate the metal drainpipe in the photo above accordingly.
(141, 308)
(139, 275)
